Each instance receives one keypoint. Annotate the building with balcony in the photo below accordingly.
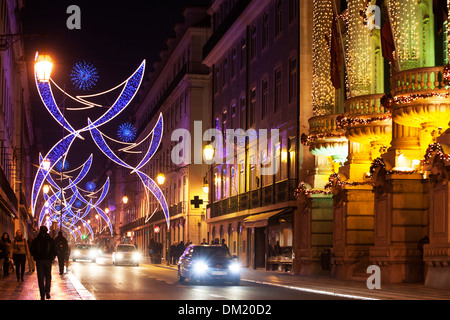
(379, 130)
(253, 56)
(16, 124)
(179, 89)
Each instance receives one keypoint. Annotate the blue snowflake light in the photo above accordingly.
(59, 165)
(90, 186)
(126, 132)
(84, 75)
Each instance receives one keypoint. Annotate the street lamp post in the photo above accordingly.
(43, 67)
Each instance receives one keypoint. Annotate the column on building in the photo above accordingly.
(324, 140)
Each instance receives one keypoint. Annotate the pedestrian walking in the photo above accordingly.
(19, 254)
(62, 245)
(43, 250)
(224, 244)
(6, 242)
(31, 263)
(3, 256)
(179, 250)
(172, 253)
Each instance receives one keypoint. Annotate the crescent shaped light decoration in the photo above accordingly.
(67, 205)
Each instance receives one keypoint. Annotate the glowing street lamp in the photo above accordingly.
(43, 67)
(160, 179)
(46, 164)
(125, 199)
(208, 152)
(46, 188)
(206, 188)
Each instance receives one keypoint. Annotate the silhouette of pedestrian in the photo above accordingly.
(6, 242)
(19, 254)
(63, 247)
(43, 250)
(31, 263)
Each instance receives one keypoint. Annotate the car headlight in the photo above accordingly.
(136, 256)
(76, 253)
(234, 267)
(92, 253)
(200, 267)
(119, 256)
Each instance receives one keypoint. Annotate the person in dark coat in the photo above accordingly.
(172, 253)
(3, 256)
(43, 249)
(179, 250)
(63, 248)
(6, 242)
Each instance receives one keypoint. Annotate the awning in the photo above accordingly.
(262, 219)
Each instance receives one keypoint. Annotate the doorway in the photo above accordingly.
(260, 247)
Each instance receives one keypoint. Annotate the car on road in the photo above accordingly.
(204, 263)
(85, 251)
(126, 254)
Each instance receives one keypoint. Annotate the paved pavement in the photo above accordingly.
(67, 287)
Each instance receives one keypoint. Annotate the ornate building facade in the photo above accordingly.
(379, 85)
(253, 55)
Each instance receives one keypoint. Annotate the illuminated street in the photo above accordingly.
(155, 282)
(251, 153)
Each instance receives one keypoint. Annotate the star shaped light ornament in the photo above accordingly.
(84, 75)
(70, 213)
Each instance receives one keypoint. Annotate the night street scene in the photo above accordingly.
(224, 158)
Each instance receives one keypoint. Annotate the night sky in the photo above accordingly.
(115, 36)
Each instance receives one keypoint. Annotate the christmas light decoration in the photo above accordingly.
(66, 201)
(90, 186)
(405, 28)
(435, 148)
(358, 52)
(302, 190)
(62, 165)
(84, 75)
(343, 121)
(323, 92)
(126, 132)
(308, 139)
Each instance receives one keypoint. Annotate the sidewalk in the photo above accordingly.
(64, 287)
(67, 287)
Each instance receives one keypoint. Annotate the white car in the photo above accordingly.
(126, 254)
(85, 252)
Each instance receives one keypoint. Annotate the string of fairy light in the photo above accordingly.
(405, 28)
(358, 51)
(323, 92)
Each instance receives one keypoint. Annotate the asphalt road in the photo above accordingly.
(148, 282)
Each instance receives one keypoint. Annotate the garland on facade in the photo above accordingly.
(435, 147)
(446, 75)
(308, 139)
(379, 162)
(303, 190)
(343, 121)
(334, 178)
(413, 97)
